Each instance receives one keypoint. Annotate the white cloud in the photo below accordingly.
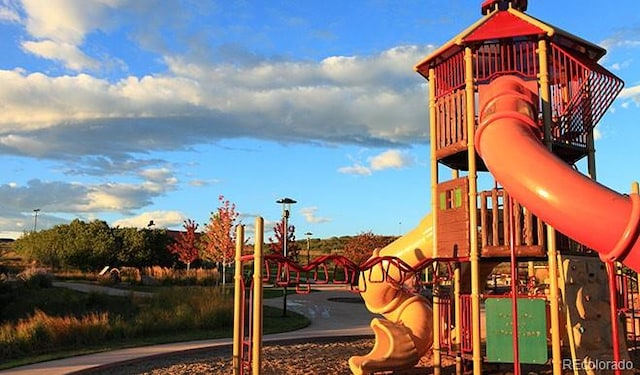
(285, 101)
(75, 198)
(632, 93)
(58, 29)
(70, 55)
(620, 40)
(201, 183)
(161, 219)
(597, 134)
(309, 214)
(356, 169)
(66, 20)
(160, 175)
(390, 159)
(9, 11)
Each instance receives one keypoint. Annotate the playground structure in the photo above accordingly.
(513, 103)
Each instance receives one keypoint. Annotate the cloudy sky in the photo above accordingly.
(136, 110)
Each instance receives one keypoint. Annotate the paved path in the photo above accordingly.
(328, 319)
(92, 288)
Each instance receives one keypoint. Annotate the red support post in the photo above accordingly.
(613, 304)
(514, 288)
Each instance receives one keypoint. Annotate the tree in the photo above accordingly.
(186, 247)
(276, 245)
(219, 237)
(359, 248)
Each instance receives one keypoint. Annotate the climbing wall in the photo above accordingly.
(586, 297)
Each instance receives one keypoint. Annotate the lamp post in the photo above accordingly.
(35, 219)
(308, 234)
(286, 206)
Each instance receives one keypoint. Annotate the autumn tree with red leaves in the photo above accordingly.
(276, 245)
(359, 248)
(186, 246)
(219, 237)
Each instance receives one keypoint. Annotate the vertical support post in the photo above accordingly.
(514, 288)
(433, 134)
(552, 254)
(258, 259)
(437, 360)
(591, 155)
(238, 303)
(285, 253)
(457, 313)
(473, 214)
(613, 306)
(554, 297)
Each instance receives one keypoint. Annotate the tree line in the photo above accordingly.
(93, 245)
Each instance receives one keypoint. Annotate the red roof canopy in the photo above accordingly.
(502, 25)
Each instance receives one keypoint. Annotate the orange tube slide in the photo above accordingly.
(508, 140)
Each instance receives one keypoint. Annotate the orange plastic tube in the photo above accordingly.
(508, 141)
(405, 334)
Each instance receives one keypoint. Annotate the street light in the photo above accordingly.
(286, 206)
(308, 234)
(35, 219)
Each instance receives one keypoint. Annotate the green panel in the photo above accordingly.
(532, 330)
(443, 200)
(458, 198)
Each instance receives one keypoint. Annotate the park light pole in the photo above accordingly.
(35, 219)
(286, 206)
(308, 234)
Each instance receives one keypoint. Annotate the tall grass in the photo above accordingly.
(42, 332)
(172, 276)
(171, 311)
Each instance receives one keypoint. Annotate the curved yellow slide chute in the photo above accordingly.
(405, 333)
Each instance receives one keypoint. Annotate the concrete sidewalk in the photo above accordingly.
(333, 313)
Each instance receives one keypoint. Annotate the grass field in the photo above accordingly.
(42, 323)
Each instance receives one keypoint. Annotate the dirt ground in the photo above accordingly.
(320, 357)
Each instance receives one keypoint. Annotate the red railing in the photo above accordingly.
(466, 328)
(449, 74)
(506, 57)
(628, 306)
(246, 328)
(581, 92)
(446, 322)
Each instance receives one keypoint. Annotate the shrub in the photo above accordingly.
(36, 278)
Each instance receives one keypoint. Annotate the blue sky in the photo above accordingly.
(136, 110)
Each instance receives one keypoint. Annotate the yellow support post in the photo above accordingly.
(474, 258)
(433, 134)
(552, 254)
(437, 360)
(434, 206)
(257, 296)
(238, 302)
(569, 324)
